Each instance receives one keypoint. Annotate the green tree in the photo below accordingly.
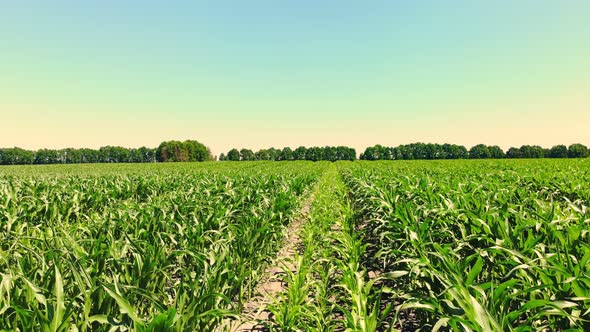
(432, 151)
(558, 151)
(189, 150)
(313, 154)
(532, 151)
(262, 154)
(300, 153)
(247, 154)
(16, 156)
(345, 153)
(514, 153)
(147, 155)
(329, 153)
(46, 156)
(274, 154)
(197, 151)
(72, 156)
(407, 152)
(369, 154)
(233, 155)
(577, 150)
(89, 156)
(496, 152)
(286, 154)
(454, 151)
(479, 151)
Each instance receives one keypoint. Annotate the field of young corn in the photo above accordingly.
(386, 246)
(140, 247)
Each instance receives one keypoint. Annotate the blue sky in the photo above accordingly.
(287, 73)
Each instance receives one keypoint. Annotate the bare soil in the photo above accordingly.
(271, 284)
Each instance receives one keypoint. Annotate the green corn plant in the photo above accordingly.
(140, 247)
(486, 246)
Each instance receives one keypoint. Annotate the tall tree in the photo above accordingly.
(314, 154)
(274, 154)
(300, 153)
(496, 152)
(514, 153)
(233, 155)
(247, 154)
(532, 151)
(286, 154)
(558, 151)
(480, 151)
(189, 150)
(16, 156)
(577, 150)
(369, 154)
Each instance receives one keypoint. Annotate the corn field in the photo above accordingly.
(137, 247)
(478, 246)
(385, 246)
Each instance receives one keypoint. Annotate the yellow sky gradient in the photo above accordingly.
(546, 121)
(262, 74)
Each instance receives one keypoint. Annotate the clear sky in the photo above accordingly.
(287, 73)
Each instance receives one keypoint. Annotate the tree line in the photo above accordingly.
(481, 151)
(166, 152)
(330, 153)
(190, 150)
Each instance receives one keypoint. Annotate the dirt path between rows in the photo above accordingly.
(271, 284)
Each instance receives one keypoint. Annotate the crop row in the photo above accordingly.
(478, 246)
(139, 247)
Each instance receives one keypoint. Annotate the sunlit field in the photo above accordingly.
(463, 245)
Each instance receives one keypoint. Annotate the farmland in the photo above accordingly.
(464, 245)
(487, 246)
